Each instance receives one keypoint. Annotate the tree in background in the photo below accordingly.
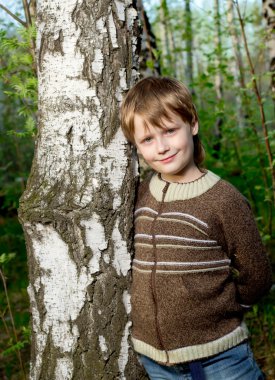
(263, 118)
(164, 33)
(149, 57)
(268, 12)
(217, 135)
(188, 33)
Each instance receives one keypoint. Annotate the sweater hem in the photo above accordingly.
(195, 352)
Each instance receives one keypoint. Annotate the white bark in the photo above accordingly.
(164, 34)
(218, 43)
(77, 209)
(268, 12)
(218, 77)
(237, 64)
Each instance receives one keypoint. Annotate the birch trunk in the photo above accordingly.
(149, 63)
(164, 35)
(77, 209)
(237, 65)
(218, 43)
(189, 45)
(218, 78)
(269, 15)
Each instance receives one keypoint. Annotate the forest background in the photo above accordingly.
(221, 50)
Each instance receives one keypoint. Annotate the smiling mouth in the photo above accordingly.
(167, 159)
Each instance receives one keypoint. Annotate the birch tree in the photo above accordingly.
(218, 77)
(76, 211)
(189, 45)
(149, 62)
(164, 34)
(268, 12)
(238, 66)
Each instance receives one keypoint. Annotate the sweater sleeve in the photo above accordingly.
(245, 249)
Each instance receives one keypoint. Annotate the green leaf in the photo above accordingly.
(6, 257)
(15, 347)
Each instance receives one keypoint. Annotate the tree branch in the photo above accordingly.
(13, 16)
(27, 13)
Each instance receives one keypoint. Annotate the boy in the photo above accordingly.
(192, 232)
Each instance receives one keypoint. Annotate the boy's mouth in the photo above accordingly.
(168, 159)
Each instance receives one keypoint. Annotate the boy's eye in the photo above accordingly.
(147, 139)
(170, 131)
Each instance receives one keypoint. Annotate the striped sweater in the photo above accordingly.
(199, 262)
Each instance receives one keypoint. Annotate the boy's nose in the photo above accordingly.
(162, 146)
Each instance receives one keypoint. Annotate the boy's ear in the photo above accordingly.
(195, 128)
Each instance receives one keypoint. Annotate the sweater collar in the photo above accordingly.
(182, 191)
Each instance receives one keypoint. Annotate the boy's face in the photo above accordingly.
(167, 150)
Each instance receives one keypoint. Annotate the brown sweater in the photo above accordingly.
(187, 301)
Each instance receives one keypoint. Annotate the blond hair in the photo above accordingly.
(154, 99)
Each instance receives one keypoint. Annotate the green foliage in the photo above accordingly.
(18, 80)
(18, 103)
(260, 321)
(14, 316)
(6, 257)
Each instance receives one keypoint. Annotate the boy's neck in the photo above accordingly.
(191, 174)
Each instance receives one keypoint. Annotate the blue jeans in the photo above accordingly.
(237, 363)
